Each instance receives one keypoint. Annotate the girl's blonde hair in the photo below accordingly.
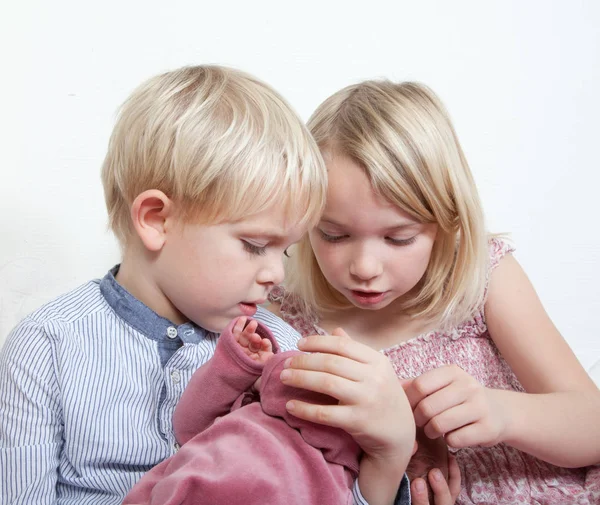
(217, 141)
(402, 136)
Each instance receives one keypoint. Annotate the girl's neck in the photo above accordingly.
(378, 329)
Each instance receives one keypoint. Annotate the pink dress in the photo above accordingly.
(494, 475)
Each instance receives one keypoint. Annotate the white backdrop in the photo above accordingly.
(521, 80)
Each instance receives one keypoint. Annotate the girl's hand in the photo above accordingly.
(372, 407)
(448, 401)
(444, 493)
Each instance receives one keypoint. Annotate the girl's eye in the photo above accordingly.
(401, 242)
(253, 248)
(331, 238)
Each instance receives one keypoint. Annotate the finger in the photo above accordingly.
(340, 345)
(453, 476)
(441, 490)
(430, 382)
(469, 435)
(436, 403)
(255, 342)
(251, 327)
(406, 383)
(338, 387)
(339, 332)
(238, 327)
(336, 416)
(451, 420)
(418, 492)
(266, 345)
(329, 363)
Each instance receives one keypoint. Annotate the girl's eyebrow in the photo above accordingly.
(396, 227)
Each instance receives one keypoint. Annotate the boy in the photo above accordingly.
(208, 178)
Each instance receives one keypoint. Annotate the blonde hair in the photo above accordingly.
(217, 141)
(402, 136)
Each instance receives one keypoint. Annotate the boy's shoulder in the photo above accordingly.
(71, 307)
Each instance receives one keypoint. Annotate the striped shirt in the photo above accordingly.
(88, 386)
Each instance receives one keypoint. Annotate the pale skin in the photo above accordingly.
(261, 350)
(376, 247)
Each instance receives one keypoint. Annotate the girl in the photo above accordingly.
(402, 261)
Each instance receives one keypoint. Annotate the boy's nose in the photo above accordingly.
(271, 273)
(366, 267)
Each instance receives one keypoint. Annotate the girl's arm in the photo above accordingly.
(557, 420)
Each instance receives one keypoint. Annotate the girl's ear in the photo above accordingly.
(149, 213)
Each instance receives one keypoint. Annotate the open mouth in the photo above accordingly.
(368, 297)
(248, 309)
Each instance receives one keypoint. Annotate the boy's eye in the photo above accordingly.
(331, 238)
(253, 248)
(401, 241)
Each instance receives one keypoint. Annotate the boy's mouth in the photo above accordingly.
(248, 309)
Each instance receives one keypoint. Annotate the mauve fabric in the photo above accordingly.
(237, 451)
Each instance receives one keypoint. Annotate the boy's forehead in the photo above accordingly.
(274, 223)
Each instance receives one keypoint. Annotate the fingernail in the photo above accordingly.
(289, 406)
(301, 342)
(286, 363)
(436, 474)
(285, 375)
(420, 485)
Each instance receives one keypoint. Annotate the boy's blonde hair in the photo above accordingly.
(219, 143)
(403, 138)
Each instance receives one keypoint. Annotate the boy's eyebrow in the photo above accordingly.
(267, 234)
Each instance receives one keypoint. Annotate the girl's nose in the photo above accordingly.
(366, 267)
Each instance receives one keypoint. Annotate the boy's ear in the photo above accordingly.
(149, 213)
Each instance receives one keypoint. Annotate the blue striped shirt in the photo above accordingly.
(88, 386)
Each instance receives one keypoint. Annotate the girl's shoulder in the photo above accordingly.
(293, 311)
(498, 248)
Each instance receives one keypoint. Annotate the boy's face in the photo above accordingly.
(210, 274)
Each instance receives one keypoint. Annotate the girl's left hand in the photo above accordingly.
(373, 407)
(448, 401)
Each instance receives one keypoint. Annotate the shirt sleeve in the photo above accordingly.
(402, 498)
(31, 421)
(283, 332)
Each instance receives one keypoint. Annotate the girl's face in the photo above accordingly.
(368, 249)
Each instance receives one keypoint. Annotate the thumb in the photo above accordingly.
(338, 332)
(405, 383)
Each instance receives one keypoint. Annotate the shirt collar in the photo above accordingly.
(142, 317)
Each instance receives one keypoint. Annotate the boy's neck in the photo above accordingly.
(136, 277)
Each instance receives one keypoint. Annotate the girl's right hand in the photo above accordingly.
(444, 493)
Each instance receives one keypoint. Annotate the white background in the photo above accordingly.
(521, 80)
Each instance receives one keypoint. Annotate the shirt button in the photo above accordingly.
(172, 332)
(175, 377)
(176, 446)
